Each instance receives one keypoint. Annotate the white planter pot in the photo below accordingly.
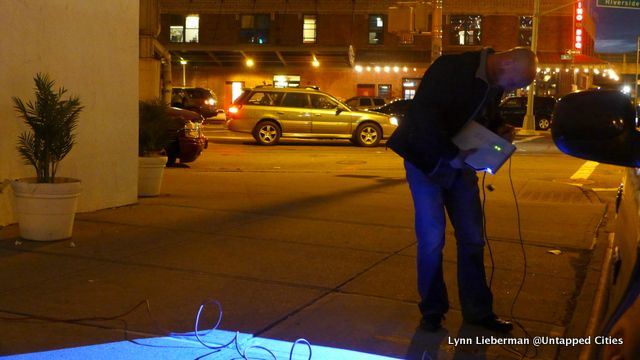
(46, 211)
(150, 171)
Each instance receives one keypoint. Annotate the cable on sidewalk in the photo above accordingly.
(18, 316)
(512, 350)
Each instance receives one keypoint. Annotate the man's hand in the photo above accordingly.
(458, 161)
(506, 132)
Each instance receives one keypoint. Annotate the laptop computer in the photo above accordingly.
(492, 150)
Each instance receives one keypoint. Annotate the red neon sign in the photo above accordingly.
(578, 17)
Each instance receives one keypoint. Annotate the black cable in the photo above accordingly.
(18, 316)
(484, 231)
(525, 354)
(25, 317)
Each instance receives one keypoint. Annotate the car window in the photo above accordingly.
(265, 98)
(258, 98)
(276, 98)
(546, 102)
(378, 102)
(200, 93)
(511, 103)
(352, 102)
(365, 102)
(319, 101)
(243, 98)
(295, 100)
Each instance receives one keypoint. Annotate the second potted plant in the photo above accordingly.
(153, 136)
(46, 204)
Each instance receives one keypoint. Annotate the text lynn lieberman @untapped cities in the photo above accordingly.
(536, 340)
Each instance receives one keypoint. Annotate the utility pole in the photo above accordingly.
(528, 124)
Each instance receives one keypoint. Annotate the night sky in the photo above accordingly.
(617, 30)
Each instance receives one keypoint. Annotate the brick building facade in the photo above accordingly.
(351, 47)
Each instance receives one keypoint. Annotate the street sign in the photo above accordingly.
(625, 4)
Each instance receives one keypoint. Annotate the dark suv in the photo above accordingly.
(513, 109)
(397, 108)
(201, 100)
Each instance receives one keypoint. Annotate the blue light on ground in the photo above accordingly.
(187, 347)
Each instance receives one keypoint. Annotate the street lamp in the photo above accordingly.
(183, 62)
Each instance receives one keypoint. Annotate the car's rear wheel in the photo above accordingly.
(267, 133)
(368, 134)
(543, 123)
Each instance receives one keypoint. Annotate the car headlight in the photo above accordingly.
(394, 120)
(191, 130)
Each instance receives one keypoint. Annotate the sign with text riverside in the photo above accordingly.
(626, 4)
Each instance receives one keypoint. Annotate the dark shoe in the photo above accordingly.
(431, 322)
(494, 323)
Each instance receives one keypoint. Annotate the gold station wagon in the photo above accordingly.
(270, 113)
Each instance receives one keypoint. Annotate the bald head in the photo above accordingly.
(512, 69)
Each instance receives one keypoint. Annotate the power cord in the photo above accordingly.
(18, 316)
(234, 340)
(525, 353)
(484, 226)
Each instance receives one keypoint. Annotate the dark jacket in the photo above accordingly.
(447, 97)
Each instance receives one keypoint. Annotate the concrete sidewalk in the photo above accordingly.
(322, 256)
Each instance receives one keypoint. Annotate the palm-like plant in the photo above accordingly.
(152, 127)
(52, 121)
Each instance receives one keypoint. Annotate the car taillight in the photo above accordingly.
(233, 110)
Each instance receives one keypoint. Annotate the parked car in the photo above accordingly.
(365, 102)
(397, 108)
(271, 113)
(201, 100)
(513, 109)
(600, 126)
(186, 140)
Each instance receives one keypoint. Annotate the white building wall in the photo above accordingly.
(91, 48)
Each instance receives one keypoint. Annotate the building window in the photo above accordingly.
(187, 32)
(465, 29)
(309, 29)
(526, 24)
(376, 29)
(254, 29)
(384, 90)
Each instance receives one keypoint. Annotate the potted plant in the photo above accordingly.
(153, 136)
(46, 204)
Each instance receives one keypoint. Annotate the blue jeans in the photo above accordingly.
(455, 190)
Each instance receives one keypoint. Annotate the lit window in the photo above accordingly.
(309, 29)
(465, 29)
(254, 29)
(176, 33)
(525, 31)
(384, 90)
(186, 32)
(376, 29)
(192, 25)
